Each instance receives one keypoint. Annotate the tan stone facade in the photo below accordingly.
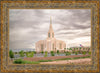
(51, 43)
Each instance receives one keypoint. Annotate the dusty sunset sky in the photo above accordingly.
(28, 26)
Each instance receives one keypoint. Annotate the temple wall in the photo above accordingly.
(51, 45)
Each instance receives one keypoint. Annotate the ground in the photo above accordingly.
(53, 57)
(77, 61)
(71, 59)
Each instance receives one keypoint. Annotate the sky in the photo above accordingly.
(27, 26)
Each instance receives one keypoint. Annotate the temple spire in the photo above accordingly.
(50, 32)
(50, 29)
(50, 20)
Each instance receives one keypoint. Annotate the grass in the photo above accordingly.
(20, 61)
(64, 59)
(75, 58)
(45, 60)
(46, 54)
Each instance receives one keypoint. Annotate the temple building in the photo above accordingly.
(50, 43)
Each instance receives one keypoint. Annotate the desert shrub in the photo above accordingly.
(89, 53)
(68, 53)
(29, 51)
(70, 49)
(79, 52)
(52, 53)
(42, 52)
(34, 52)
(73, 52)
(74, 48)
(15, 52)
(24, 52)
(44, 60)
(57, 51)
(76, 53)
(11, 54)
(46, 54)
(84, 52)
(20, 61)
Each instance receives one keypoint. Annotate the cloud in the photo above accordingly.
(27, 26)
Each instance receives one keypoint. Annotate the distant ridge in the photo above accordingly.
(25, 49)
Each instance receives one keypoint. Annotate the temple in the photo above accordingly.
(50, 43)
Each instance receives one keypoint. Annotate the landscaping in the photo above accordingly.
(46, 54)
(53, 57)
(33, 57)
(20, 61)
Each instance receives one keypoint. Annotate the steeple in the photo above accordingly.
(50, 28)
(50, 32)
(50, 21)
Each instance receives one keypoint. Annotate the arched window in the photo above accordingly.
(52, 34)
(60, 46)
(49, 34)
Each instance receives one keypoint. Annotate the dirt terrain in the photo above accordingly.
(53, 57)
(78, 61)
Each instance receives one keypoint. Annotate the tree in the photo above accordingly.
(77, 49)
(27, 54)
(46, 54)
(34, 52)
(70, 49)
(80, 49)
(57, 51)
(89, 53)
(21, 53)
(68, 53)
(74, 50)
(76, 53)
(84, 52)
(42, 52)
(11, 54)
(15, 52)
(52, 53)
(30, 54)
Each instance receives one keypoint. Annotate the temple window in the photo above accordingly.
(49, 34)
(52, 35)
(60, 46)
